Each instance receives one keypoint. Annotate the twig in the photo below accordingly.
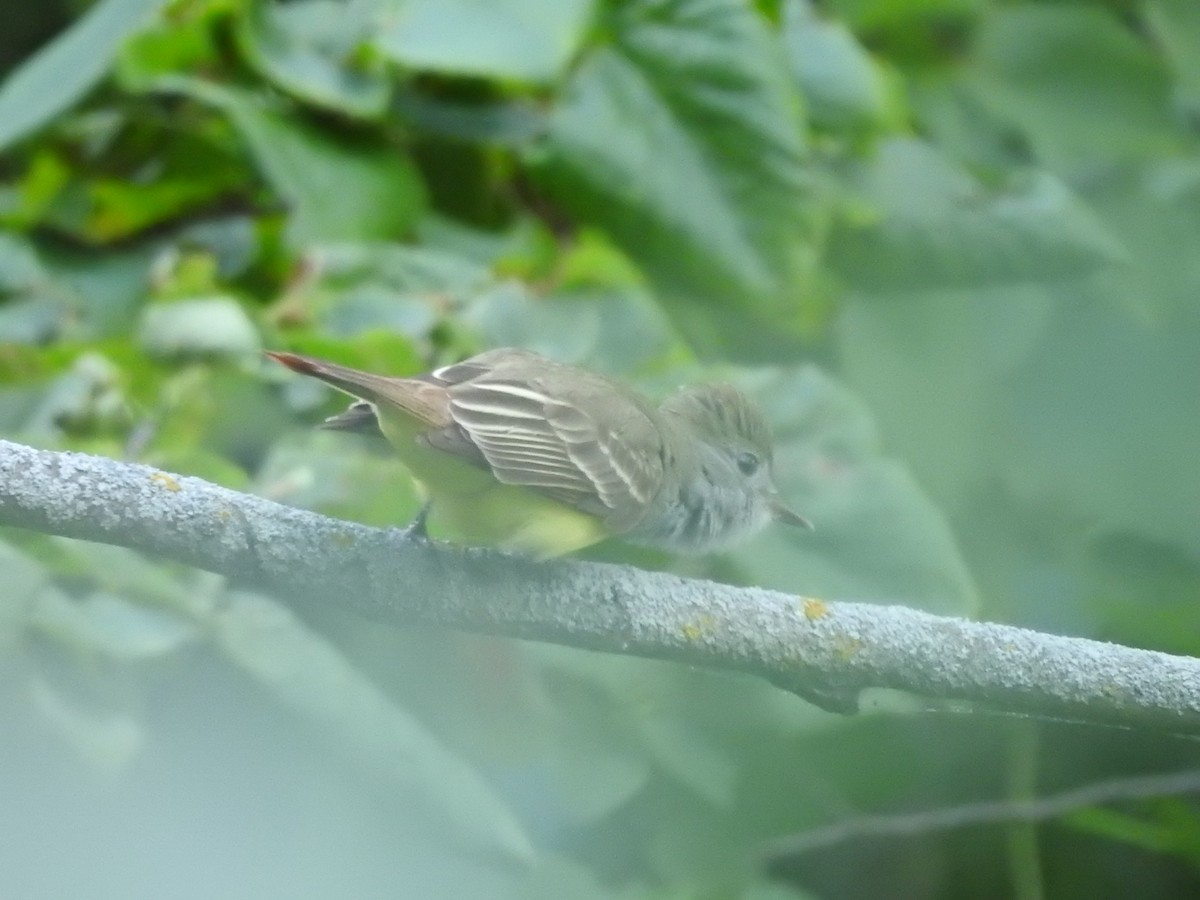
(987, 813)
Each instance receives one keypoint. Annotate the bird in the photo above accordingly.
(516, 451)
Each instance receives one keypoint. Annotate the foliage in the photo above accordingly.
(950, 244)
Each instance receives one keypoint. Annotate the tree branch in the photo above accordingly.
(823, 651)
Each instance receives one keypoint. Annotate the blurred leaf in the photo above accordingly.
(927, 224)
(562, 879)
(1155, 209)
(1067, 74)
(111, 625)
(1152, 833)
(20, 268)
(843, 86)
(24, 580)
(622, 716)
(529, 40)
(372, 305)
(1142, 589)
(334, 473)
(184, 40)
(116, 570)
(903, 16)
(685, 753)
(36, 310)
(683, 139)
(594, 771)
(1098, 366)
(309, 675)
(1176, 25)
(698, 848)
(416, 269)
(204, 326)
(107, 739)
(115, 209)
(931, 365)
(352, 289)
(312, 49)
(68, 67)
(773, 890)
(106, 290)
(336, 188)
(32, 320)
(503, 122)
(87, 396)
(615, 331)
(215, 419)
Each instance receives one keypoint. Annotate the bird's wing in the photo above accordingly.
(531, 434)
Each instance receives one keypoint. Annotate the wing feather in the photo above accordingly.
(529, 437)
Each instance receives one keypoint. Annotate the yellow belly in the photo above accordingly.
(468, 505)
(511, 518)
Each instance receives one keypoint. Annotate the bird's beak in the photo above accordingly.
(785, 515)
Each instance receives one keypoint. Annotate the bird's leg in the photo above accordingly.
(416, 528)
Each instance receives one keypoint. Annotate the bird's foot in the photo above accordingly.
(417, 528)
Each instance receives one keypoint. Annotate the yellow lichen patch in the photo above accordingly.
(225, 514)
(815, 609)
(847, 648)
(704, 625)
(343, 539)
(162, 479)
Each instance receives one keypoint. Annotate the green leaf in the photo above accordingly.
(1082, 88)
(111, 625)
(108, 739)
(563, 879)
(403, 291)
(683, 139)
(68, 67)
(902, 16)
(186, 40)
(215, 325)
(927, 224)
(1156, 834)
(116, 570)
(1098, 366)
(843, 86)
(336, 188)
(20, 268)
(626, 719)
(312, 49)
(1176, 26)
(309, 675)
(614, 330)
(337, 475)
(106, 291)
(33, 321)
(931, 365)
(88, 393)
(528, 40)
(24, 580)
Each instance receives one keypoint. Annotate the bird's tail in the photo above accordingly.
(427, 403)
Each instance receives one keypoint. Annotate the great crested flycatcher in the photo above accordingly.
(517, 451)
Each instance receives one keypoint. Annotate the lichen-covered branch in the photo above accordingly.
(826, 651)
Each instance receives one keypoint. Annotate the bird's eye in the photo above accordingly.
(748, 462)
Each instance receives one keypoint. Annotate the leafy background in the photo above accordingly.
(950, 244)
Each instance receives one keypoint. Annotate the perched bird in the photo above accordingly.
(516, 451)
